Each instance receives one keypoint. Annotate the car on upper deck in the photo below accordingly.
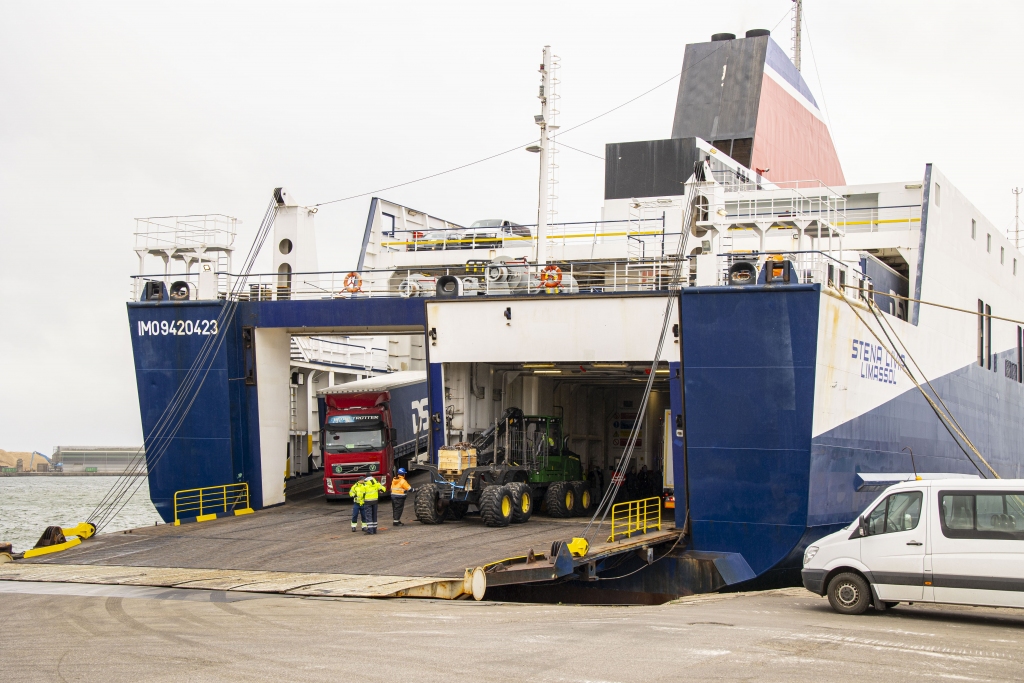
(489, 233)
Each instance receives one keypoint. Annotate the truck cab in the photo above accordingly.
(358, 441)
(370, 427)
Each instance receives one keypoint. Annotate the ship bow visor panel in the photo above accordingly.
(583, 363)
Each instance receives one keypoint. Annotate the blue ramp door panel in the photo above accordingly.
(749, 362)
(218, 439)
(194, 449)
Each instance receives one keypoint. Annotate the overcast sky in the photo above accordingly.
(111, 111)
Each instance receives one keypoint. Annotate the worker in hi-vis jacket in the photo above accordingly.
(371, 492)
(399, 489)
(358, 499)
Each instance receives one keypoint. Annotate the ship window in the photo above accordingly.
(387, 224)
(742, 150)
(988, 243)
(1020, 354)
(1002, 255)
(988, 335)
(1014, 266)
(938, 195)
(981, 333)
(974, 229)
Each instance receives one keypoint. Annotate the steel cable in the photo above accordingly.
(607, 500)
(185, 396)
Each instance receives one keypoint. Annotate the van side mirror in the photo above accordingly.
(863, 526)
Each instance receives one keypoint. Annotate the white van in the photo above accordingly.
(942, 540)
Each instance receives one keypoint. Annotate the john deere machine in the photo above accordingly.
(520, 461)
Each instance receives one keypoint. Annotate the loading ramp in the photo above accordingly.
(305, 547)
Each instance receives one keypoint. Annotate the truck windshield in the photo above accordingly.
(354, 440)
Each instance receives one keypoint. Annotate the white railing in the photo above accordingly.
(882, 219)
(517, 277)
(807, 267)
(524, 236)
(334, 352)
(205, 231)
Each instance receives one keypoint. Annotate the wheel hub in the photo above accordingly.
(847, 594)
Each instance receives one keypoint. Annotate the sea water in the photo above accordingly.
(29, 504)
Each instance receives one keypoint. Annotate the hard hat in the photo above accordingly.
(401, 470)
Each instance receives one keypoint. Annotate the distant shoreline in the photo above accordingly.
(69, 474)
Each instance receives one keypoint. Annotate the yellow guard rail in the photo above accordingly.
(635, 517)
(205, 503)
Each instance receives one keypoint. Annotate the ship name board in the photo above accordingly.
(875, 362)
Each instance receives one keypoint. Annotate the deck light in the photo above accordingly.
(533, 148)
(547, 372)
(609, 365)
(538, 365)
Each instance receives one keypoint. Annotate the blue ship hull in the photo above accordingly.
(750, 472)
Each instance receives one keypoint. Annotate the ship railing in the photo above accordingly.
(808, 267)
(808, 206)
(210, 502)
(525, 236)
(475, 277)
(882, 218)
(635, 517)
(511, 277)
(202, 232)
(332, 352)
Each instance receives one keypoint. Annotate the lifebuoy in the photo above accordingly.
(551, 276)
(353, 283)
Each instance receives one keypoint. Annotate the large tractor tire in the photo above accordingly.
(496, 506)
(583, 501)
(522, 502)
(560, 499)
(428, 505)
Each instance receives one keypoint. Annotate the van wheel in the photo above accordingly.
(848, 593)
(428, 506)
(560, 499)
(496, 506)
(522, 501)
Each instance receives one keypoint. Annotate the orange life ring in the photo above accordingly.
(551, 276)
(353, 283)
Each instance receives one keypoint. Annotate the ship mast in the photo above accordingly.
(547, 123)
(1016, 216)
(798, 12)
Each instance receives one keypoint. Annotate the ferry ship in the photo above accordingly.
(825, 339)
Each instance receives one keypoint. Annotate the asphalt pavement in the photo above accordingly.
(79, 632)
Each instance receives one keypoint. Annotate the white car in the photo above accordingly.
(957, 541)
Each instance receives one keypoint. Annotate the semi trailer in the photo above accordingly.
(371, 427)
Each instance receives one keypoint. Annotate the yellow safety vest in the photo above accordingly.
(358, 492)
(371, 489)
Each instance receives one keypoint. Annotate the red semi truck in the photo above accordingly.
(372, 427)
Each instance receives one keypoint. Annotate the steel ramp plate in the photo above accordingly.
(285, 583)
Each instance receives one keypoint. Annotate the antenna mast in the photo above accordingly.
(543, 120)
(1016, 216)
(798, 15)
